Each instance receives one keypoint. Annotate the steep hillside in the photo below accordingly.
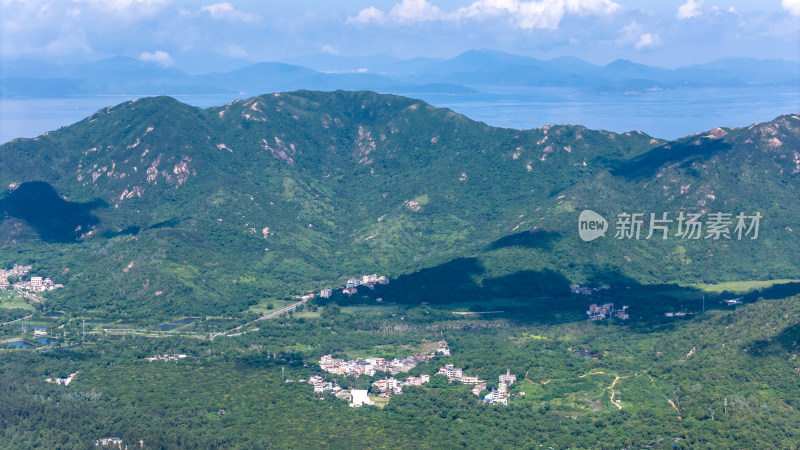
(730, 171)
(175, 210)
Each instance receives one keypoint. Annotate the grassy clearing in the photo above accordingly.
(742, 287)
(380, 402)
(262, 307)
(525, 336)
(387, 351)
(493, 304)
(366, 309)
(16, 304)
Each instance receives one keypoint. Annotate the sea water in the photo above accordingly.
(666, 114)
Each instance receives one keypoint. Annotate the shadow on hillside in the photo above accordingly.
(787, 341)
(53, 218)
(684, 152)
(527, 239)
(133, 230)
(171, 223)
(545, 296)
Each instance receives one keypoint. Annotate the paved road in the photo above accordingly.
(17, 320)
(268, 316)
(31, 297)
(281, 311)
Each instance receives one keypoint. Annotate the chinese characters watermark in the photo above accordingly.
(714, 226)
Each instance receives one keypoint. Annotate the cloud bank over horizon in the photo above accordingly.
(206, 36)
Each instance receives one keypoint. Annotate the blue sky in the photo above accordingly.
(209, 35)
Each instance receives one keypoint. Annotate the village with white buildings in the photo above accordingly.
(585, 290)
(607, 311)
(352, 284)
(600, 312)
(391, 386)
(500, 395)
(33, 284)
(370, 366)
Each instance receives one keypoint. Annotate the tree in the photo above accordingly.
(331, 311)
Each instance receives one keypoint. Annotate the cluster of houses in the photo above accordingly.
(392, 386)
(321, 385)
(34, 284)
(496, 396)
(584, 290)
(356, 397)
(360, 397)
(501, 394)
(606, 311)
(109, 442)
(166, 357)
(351, 287)
(389, 387)
(369, 366)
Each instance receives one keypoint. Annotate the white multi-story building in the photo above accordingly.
(360, 397)
(470, 380)
(451, 372)
(368, 279)
(508, 378)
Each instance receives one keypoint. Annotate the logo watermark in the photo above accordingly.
(716, 226)
(591, 225)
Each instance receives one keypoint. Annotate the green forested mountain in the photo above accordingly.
(154, 208)
(167, 224)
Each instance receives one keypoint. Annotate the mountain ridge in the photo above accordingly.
(306, 188)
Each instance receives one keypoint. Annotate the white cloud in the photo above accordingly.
(368, 15)
(634, 35)
(689, 9)
(485, 8)
(591, 6)
(415, 11)
(792, 6)
(129, 9)
(544, 14)
(648, 40)
(407, 11)
(159, 57)
(226, 11)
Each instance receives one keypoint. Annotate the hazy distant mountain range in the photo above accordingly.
(462, 74)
